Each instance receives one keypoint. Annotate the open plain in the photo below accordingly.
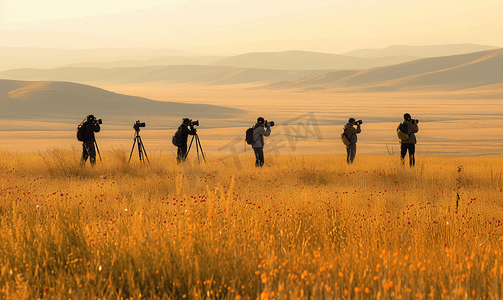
(457, 123)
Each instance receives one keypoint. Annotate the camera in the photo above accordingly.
(99, 121)
(138, 124)
(359, 122)
(194, 123)
(269, 123)
(414, 121)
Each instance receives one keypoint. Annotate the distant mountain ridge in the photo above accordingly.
(441, 73)
(15, 58)
(353, 60)
(447, 73)
(303, 60)
(420, 51)
(203, 75)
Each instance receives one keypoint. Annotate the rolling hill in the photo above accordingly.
(16, 58)
(157, 61)
(420, 51)
(440, 73)
(304, 60)
(21, 99)
(446, 73)
(204, 75)
(22, 57)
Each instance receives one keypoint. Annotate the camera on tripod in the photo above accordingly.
(138, 124)
(137, 141)
(193, 123)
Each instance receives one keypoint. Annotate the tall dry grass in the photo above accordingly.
(303, 227)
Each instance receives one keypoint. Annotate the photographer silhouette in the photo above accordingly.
(406, 134)
(350, 131)
(184, 130)
(259, 131)
(85, 134)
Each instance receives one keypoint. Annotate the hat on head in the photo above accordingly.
(407, 117)
(186, 121)
(351, 120)
(91, 117)
(260, 120)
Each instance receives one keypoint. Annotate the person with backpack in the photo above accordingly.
(85, 134)
(406, 134)
(181, 136)
(350, 132)
(260, 130)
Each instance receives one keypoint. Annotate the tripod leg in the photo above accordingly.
(140, 143)
(201, 147)
(188, 150)
(197, 150)
(97, 149)
(132, 150)
(140, 154)
(190, 145)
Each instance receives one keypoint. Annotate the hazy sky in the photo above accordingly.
(263, 25)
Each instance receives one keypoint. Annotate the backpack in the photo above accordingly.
(403, 131)
(249, 136)
(81, 132)
(345, 139)
(177, 138)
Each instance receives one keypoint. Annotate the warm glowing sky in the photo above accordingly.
(265, 25)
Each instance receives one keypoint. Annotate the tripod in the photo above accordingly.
(198, 146)
(141, 148)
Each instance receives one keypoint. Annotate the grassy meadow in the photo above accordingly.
(303, 227)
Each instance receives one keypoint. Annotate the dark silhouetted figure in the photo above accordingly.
(259, 131)
(91, 125)
(408, 143)
(350, 131)
(186, 129)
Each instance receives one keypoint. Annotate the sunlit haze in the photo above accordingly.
(233, 27)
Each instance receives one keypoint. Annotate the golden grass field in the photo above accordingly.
(303, 227)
